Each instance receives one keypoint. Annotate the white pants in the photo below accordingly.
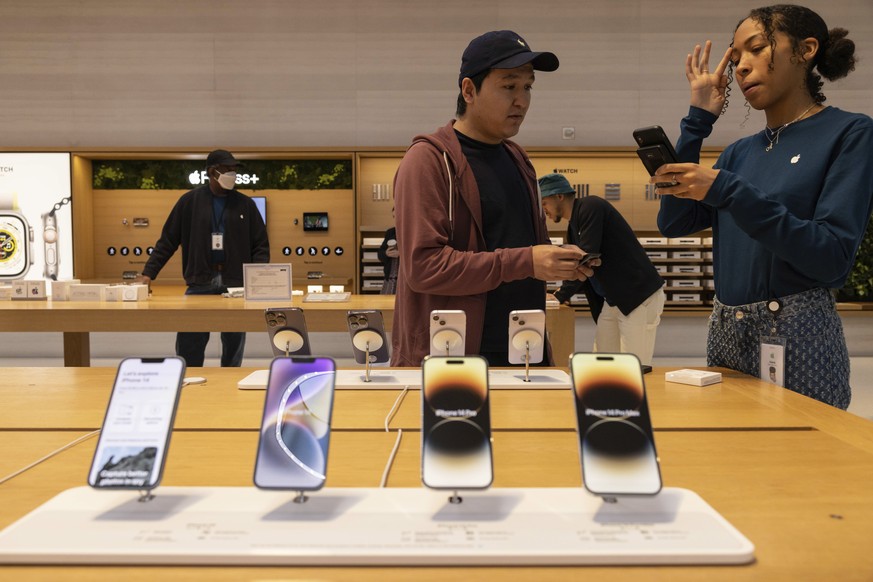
(633, 333)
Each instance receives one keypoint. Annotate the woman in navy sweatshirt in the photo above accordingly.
(788, 206)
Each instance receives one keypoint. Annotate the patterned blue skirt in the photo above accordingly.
(816, 357)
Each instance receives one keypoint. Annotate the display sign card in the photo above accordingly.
(267, 281)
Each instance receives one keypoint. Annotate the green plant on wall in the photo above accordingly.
(186, 174)
(859, 285)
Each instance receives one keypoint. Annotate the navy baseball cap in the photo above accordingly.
(502, 49)
(552, 184)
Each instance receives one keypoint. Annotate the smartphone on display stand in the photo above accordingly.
(455, 423)
(295, 429)
(615, 430)
(367, 328)
(135, 436)
(655, 150)
(527, 332)
(286, 327)
(448, 331)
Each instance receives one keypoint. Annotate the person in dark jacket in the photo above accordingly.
(626, 293)
(218, 229)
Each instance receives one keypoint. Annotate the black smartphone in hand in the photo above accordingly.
(588, 258)
(655, 150)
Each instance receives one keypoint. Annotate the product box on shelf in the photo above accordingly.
(29, 290)
(657, 254)
(685, 255)
(88, 292)
(61, 289)
(689, 297)
(684, 283)
(688, 269)
(652, 240)
(685, 240)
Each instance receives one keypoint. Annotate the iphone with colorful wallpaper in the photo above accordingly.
(295, 429)
(615, 430)
(456, 423)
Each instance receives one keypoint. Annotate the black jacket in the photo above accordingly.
(190, 225)
(626, 275)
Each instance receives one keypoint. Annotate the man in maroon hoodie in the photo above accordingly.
(470, 227)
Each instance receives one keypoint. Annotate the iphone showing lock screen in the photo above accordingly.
(139, 420)
(615, 430)
(456, 423)
(295, 430)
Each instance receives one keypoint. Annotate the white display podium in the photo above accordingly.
(395, 378)
(357, 526)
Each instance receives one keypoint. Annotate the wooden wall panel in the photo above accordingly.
(111, 207)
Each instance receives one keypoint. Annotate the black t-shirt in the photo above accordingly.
(507, 223)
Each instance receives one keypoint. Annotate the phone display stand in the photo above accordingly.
(288, 341)
(145, 495)
(444, 341)
(367, 340)
(527, 339)
(301, 497)
(455, 498)
(373, 526)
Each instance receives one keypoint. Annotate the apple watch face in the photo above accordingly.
(14, 259)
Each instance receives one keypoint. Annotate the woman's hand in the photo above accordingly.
(691, 181)
(707, 89)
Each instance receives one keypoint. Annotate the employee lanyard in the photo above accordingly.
(218, 223)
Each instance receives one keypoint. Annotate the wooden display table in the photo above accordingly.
(169, 310)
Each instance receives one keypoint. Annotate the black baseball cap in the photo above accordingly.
(502, 49)
(221, 158)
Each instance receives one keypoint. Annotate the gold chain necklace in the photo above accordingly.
(772, 135)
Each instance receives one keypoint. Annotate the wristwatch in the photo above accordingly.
(16, 239)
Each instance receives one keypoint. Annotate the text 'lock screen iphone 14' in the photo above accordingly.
(456, 423)
(295, 430)
(615, 430)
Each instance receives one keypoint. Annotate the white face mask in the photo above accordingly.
(227, 181)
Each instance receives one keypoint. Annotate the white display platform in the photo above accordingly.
(388, 378)
(393, 526)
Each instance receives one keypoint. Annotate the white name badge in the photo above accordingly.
(773, 360)
(217, 241)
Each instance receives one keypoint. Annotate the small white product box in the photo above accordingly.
(370, 285)
(372, 242)
(337, 288)
(708, 269)
(708, 284)
(693, 377)
(685, 269)
(28, 290)
(315, 288)
(112, 293)
(707, 240)
(661, 268)
(652, 240)
(684, 283)
(657, 254)
(556, 240)
(88, 292)
(707, 255)
(61, 289)
(685, 255)
(686, 240)
(685, 297)
(134, 292)
(5, 292)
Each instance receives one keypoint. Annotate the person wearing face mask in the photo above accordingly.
(788, 206)
(218, 229)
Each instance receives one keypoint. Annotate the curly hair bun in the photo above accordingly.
(838, 58)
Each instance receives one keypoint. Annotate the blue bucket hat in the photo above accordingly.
(552, 184)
